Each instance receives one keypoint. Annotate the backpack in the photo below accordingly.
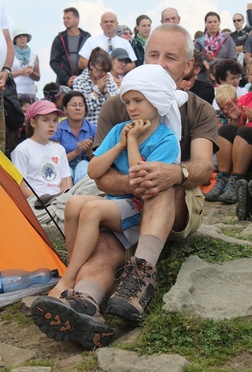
(14, 116)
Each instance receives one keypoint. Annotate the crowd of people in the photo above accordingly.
(146, 116)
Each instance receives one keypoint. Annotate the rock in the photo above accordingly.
(110, 359)
(32, 369)
(215, 232)
(216, 291)
(14, 356)
(71, 362)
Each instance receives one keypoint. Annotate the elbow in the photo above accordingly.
(82, 63)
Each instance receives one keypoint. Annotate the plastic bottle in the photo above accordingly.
(15, 279)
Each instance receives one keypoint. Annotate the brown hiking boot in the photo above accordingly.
(59, 320)
(82, 303)
(136, 288)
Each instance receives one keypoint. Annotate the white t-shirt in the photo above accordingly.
(102, 42)
(24, 84)
(43, 166)
(5, 22)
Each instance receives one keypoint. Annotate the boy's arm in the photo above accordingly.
(138, 128)
(99, 165)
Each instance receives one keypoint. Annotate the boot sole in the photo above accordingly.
(62, 323)
(115, 307)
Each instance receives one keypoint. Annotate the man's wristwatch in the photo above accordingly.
(96, 89)
(184, 173)
(8, 70)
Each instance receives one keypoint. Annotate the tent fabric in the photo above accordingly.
(23, 243)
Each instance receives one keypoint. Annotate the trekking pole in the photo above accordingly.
(47, 210)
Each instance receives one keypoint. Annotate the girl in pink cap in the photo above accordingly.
(42, 162)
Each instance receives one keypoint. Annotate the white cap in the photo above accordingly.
(20, 31)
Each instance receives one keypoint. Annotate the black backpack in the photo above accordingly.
(14, 116)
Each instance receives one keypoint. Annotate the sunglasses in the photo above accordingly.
(127, 33)
(237, 20)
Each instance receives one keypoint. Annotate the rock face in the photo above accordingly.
(216, 291)
(128, 361)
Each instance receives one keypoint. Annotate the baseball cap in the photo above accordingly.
(120, 53)
(42, 107)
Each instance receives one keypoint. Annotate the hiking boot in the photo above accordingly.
(136, 288)
(60, 321)
(218, 189)
(230, 194)
(244, 200)
(81, 302)
(250, 188)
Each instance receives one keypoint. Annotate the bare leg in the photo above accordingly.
(93, 213)
(224, 155)
(242, 155)
(100, 268)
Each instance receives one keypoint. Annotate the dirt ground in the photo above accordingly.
(29, 337)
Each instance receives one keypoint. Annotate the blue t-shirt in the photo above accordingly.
(162, 145)
(68, 140)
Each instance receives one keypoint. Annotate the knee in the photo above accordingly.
(72, 206)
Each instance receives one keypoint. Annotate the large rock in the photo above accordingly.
(217, 291)
(14, 356)
(110, 359)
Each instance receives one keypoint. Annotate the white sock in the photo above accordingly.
(91, 289)
(149, 247)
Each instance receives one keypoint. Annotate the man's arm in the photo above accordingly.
(55, 61)
(82, 63)
(9, 58)
(148, 179)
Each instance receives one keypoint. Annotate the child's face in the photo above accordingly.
(138, 106)
(45, 125)
(250, 74)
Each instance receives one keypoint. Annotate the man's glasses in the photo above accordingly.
(110, 46)
(75, 105)
(237, 20)
(127, 33)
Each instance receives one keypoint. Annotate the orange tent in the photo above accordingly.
(23, 243)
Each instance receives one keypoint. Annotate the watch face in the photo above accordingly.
(185, 172)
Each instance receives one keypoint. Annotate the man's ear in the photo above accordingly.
(197, 70)
(189, 66)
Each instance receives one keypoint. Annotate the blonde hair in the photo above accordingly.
(225, 92)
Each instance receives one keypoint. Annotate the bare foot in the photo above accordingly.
(61, 286)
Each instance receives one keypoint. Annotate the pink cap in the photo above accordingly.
(42, 107)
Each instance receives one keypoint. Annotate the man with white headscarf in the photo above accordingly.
(172, 209)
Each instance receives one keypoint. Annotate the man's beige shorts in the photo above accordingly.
(195, 201)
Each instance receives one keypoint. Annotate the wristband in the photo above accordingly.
(6, 68)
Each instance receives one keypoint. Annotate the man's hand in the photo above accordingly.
(147, 179)
(3, 78)
(70, 81)
(185, 85)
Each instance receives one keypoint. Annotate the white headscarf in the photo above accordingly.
(155, 83)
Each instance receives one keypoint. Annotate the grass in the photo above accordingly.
(208, 345)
